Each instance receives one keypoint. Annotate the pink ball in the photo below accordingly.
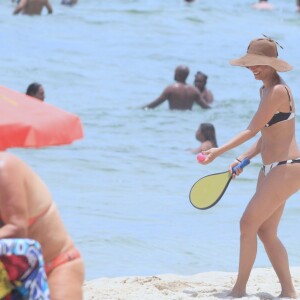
(201, 157)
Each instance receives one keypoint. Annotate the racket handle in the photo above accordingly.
(242, 164)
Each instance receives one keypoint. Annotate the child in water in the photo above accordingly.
(205, 134)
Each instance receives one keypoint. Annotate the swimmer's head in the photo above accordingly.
(181, 73)
(36, 90)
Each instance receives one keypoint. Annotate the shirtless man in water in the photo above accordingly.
(27, 210)
(33, 7)
(180, 94)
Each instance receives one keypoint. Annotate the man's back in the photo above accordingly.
(181, 96)
(32, 7)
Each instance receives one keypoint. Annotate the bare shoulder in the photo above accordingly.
(8, 158)
(282, 91)
(281, 95)
(192, 89)
(169, 89)
(10, 165)
(174, 87)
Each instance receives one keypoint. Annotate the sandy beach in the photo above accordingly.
(263, 284)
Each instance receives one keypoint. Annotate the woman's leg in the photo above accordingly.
(277, 253)
(268, 230)
(66, 281)
(270, 196)
(248, 250)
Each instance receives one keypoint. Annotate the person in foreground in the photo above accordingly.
(32, 7)
(279, 177)
(180, 95)
(27, 211)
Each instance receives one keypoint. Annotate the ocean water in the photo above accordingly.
(123, 190)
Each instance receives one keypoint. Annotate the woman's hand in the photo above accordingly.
(210, 155)
(237, 172)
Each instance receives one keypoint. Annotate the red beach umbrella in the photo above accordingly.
(27, 122)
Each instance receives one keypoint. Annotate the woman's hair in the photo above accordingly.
(33, 88)
(209, 133)
(201, 74)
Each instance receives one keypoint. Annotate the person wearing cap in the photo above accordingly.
(180, 95)
(279, 177)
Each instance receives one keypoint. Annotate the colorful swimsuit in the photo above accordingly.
(277, 118)
(22, 273)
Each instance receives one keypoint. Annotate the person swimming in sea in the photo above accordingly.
(69, 2)
(206, 135)
(32, 7)
(180, 95)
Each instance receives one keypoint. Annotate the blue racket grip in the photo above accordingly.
(245, 162)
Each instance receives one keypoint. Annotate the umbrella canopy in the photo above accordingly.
(27, 122)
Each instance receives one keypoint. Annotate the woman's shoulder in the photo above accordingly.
(11, 166)
(282, 90)
(9, 160)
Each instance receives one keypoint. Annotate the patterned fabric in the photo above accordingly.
(22, 274)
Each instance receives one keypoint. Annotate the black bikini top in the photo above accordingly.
(282, 116)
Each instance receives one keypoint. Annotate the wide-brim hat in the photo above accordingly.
(262, 52)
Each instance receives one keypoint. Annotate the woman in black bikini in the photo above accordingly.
(279, 177)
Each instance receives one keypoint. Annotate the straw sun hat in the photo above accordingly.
(262, 51)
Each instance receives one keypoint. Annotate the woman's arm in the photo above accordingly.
(199, 99)
(252, 151)
(13, 201)
(239, 139)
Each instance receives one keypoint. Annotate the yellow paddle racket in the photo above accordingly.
(208, 190)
